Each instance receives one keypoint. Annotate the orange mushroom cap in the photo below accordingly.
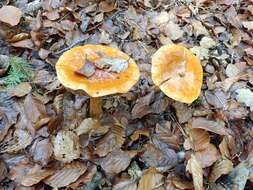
(102, 82)
(177, 72)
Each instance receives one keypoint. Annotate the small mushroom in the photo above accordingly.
(100, 82)
(177, 72)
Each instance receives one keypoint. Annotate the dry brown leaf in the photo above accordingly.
(183, 112)
(107, 7)
(27, 43)
(217, 127)
(10, 15)
(223, 146)
(20, 90)
(41, 151)
(182, 184)
(137, 134)
(18, 37)
(29, 175)
(20, 140)
(207, 156)
(52, 14)
(198, 139)
(125, 184)
(67, 175)
(194, 167)
(66, 146)
(116, 161)
(85, 178)
(163, 158)
(151, 180)
(113, 139)
(198, 28)
(221, 167)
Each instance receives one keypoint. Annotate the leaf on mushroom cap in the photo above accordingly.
(177, 72)
(124, 71)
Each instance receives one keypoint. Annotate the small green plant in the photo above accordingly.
(19, 71)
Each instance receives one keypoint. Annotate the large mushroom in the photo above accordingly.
(98, 71)
(177, 72)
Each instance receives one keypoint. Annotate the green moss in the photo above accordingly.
(19, 71)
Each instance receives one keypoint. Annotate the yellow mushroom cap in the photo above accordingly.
(177, 72)
(102, 82)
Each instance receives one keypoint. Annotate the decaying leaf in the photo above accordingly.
(28, 175)
(221, 167)
(66, 175)
(87, 70)
(86, 126)
(245, 96)
(20, 140)
(20, 90)
(151, 180)
(113, 139)
(217, 127)
(10, 15)
(194, 167)
(66, 146)
(116, 161)
(207, 156)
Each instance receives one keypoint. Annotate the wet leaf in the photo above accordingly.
(20, 140)
(150, 180)
(194, 167)
(221, 167)
(116, 161)
(10, 15)
(66, 146)
(28, 175)
(66, 175)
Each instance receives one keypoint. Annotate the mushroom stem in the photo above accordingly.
(95, 107)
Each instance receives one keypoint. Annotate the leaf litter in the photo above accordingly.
(144, 140)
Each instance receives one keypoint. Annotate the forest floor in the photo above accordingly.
(144, 140)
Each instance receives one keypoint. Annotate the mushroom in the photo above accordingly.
(98, 71)
(177, 72)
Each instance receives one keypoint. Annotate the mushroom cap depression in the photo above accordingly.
(102, 82)
(177, 72)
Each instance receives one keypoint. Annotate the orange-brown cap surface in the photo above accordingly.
(177, 72)
(102, 82)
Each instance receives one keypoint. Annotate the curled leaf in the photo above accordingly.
(194, 167)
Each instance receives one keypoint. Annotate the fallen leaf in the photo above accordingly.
(217, 127)
(173, 31)
(161, 159)
(87, 70)
(107, 6)
(245, 95)
(3, 170)
(194, 167)
(199, 139)
(151, 180)
(10, 15)
(52, 15)
(198, 28)
(20, 90)
(114, 139)
(223, 146)
(207, 156)
(125, 184)
(27, 43)
(41, 151)
(207, 42)
(66, 146)
(4, 64)
(116, 161)
(85, 178)
(216, 98)
(112, 64)
(66, 175)
(201, 52)
(221, 167)
(20, 140)
(183, 112)
(182, 184)
(232, 17)
(248, 24)
(28, 175)
(86, 126)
